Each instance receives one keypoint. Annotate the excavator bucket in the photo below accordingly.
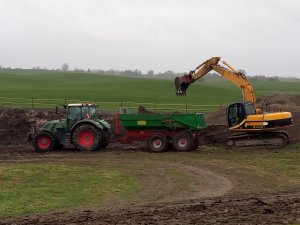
(182, 83)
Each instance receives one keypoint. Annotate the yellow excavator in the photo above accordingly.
(252, 127)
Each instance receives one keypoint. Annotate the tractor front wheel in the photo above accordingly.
(44, 142)
(86, 137)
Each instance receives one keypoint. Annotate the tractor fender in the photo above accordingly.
(32, 135)
(85, 121)
(46, 130)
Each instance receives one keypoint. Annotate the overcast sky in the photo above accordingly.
(261, 37)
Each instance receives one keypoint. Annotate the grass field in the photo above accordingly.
(110, 179)
(25, 188)
(96, 87)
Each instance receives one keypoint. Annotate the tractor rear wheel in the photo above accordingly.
(87, 137)
(183, 141)
(44, 142)
(158, 143)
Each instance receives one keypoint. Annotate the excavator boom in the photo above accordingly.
(231, 74)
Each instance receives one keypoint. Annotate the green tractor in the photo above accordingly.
(82, 128)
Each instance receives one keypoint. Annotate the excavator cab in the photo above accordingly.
(238, 112)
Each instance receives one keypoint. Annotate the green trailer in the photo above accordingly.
(161, 131)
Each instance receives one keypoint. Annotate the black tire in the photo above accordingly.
(58, 146)
(44, 142)
(183, 141)
(158, 143)
(87, 138)
(230, 143)
(195, 143)
(104, 139)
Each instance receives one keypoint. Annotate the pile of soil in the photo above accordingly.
(280, 102)
(272, 209)
(15, 123)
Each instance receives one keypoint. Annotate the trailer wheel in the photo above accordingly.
(44, 142)
(158, 143)
(183, 141)
(86, 137)
(195, 143)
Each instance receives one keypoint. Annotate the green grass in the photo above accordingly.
(33, 187)
(96, 87)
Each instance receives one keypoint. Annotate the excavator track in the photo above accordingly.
(269, 139)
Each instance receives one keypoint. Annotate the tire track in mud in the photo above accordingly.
(212, 184)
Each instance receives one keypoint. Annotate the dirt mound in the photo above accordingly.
(273, 209)
(15, 123)
(280, 102)
(214, 135)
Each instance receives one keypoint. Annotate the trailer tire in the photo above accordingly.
(183, 141)
(44, 142)
(195, 143)
(158, 143)
(87, 138)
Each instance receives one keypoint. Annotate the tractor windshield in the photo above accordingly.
(89, 112)
(74, 113)
(82, 112)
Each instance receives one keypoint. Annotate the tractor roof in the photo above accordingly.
(81, 104)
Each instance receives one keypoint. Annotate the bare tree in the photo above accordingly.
(150, 72)
(65, 67)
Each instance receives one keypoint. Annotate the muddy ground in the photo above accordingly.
(273, 209)
(281, 208)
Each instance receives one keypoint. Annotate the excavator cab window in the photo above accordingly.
(236, 114)
(249, 108)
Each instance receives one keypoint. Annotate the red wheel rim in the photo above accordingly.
(157, 143)
(44, 142)
(85, 138)
(182, 142)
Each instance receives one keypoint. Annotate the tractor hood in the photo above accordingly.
(51, 125)
(103, 123)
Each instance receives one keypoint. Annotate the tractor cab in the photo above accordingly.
(80, 111)
(237, 112)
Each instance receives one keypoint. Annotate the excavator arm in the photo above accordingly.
(231, 74)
